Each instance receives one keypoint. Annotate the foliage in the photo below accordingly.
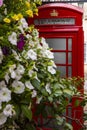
(30, 85)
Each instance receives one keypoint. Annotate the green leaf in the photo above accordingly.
(77, 103)
(59, 120)
(17, 109)
(68, 126)
(40, 75)
(44, 92)
(50, 99)
(58, 92)
(39, 109)
(1, 18)
(29, 127)
(68, 91)
(58, 86)
(26, 111)
(36, 83)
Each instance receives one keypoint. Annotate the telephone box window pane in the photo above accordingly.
(69, 114)
(69, 44)
(55, 21)
(69, 57)
(62, 70)
(60, 57)
(57, 43)
(69, 71)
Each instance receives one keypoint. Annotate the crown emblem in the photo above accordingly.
(54, 13)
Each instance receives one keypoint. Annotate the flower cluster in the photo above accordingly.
(28, 73)
(24, 61)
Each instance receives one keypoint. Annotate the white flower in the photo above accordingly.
(35, 33)
(38, 100)
(3, 118)
(16, 75)
(39, 46)
(34, 93)
(32, 55)
(53, 64)
(23, 23)
(8, 110)
(16, 56)
(35, 67)
(20, 27)
(12, 67)
(29, 85)
(12, 71)
(2, 84)
(48, 88)
(20, 69)
(13, 74)
(1, 55)
(5, 95)
(5, 11)
(43, 40)
(7, 77)
(28, 36)
(48, 54)
(13, 38)
(32, 73)
(51, 70)
(25, 55)
(18, 87)
(44, 44)
(31, 42)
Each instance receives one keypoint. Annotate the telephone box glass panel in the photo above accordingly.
(60, 57)
(55, 21)
(69, 44)
(69, 57)
(69, 71)
(57, 43)
(62, 70)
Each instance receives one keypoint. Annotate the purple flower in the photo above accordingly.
(20, 43)
(1, 3)
(5, 50)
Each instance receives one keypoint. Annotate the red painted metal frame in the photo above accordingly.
(69, 31)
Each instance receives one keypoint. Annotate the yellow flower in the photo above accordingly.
(31, 28)
(6, 20)
(20, 16)
(15, 17)
(34, 5)
(39, 2)
(36, 11)
(27, 4)
(30, 13)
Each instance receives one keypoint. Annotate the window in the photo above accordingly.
(80, 4)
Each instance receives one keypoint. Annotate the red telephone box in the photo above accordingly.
(61, 25)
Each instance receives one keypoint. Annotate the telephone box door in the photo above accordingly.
(65, 50)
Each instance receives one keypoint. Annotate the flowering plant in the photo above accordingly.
(28, 76)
